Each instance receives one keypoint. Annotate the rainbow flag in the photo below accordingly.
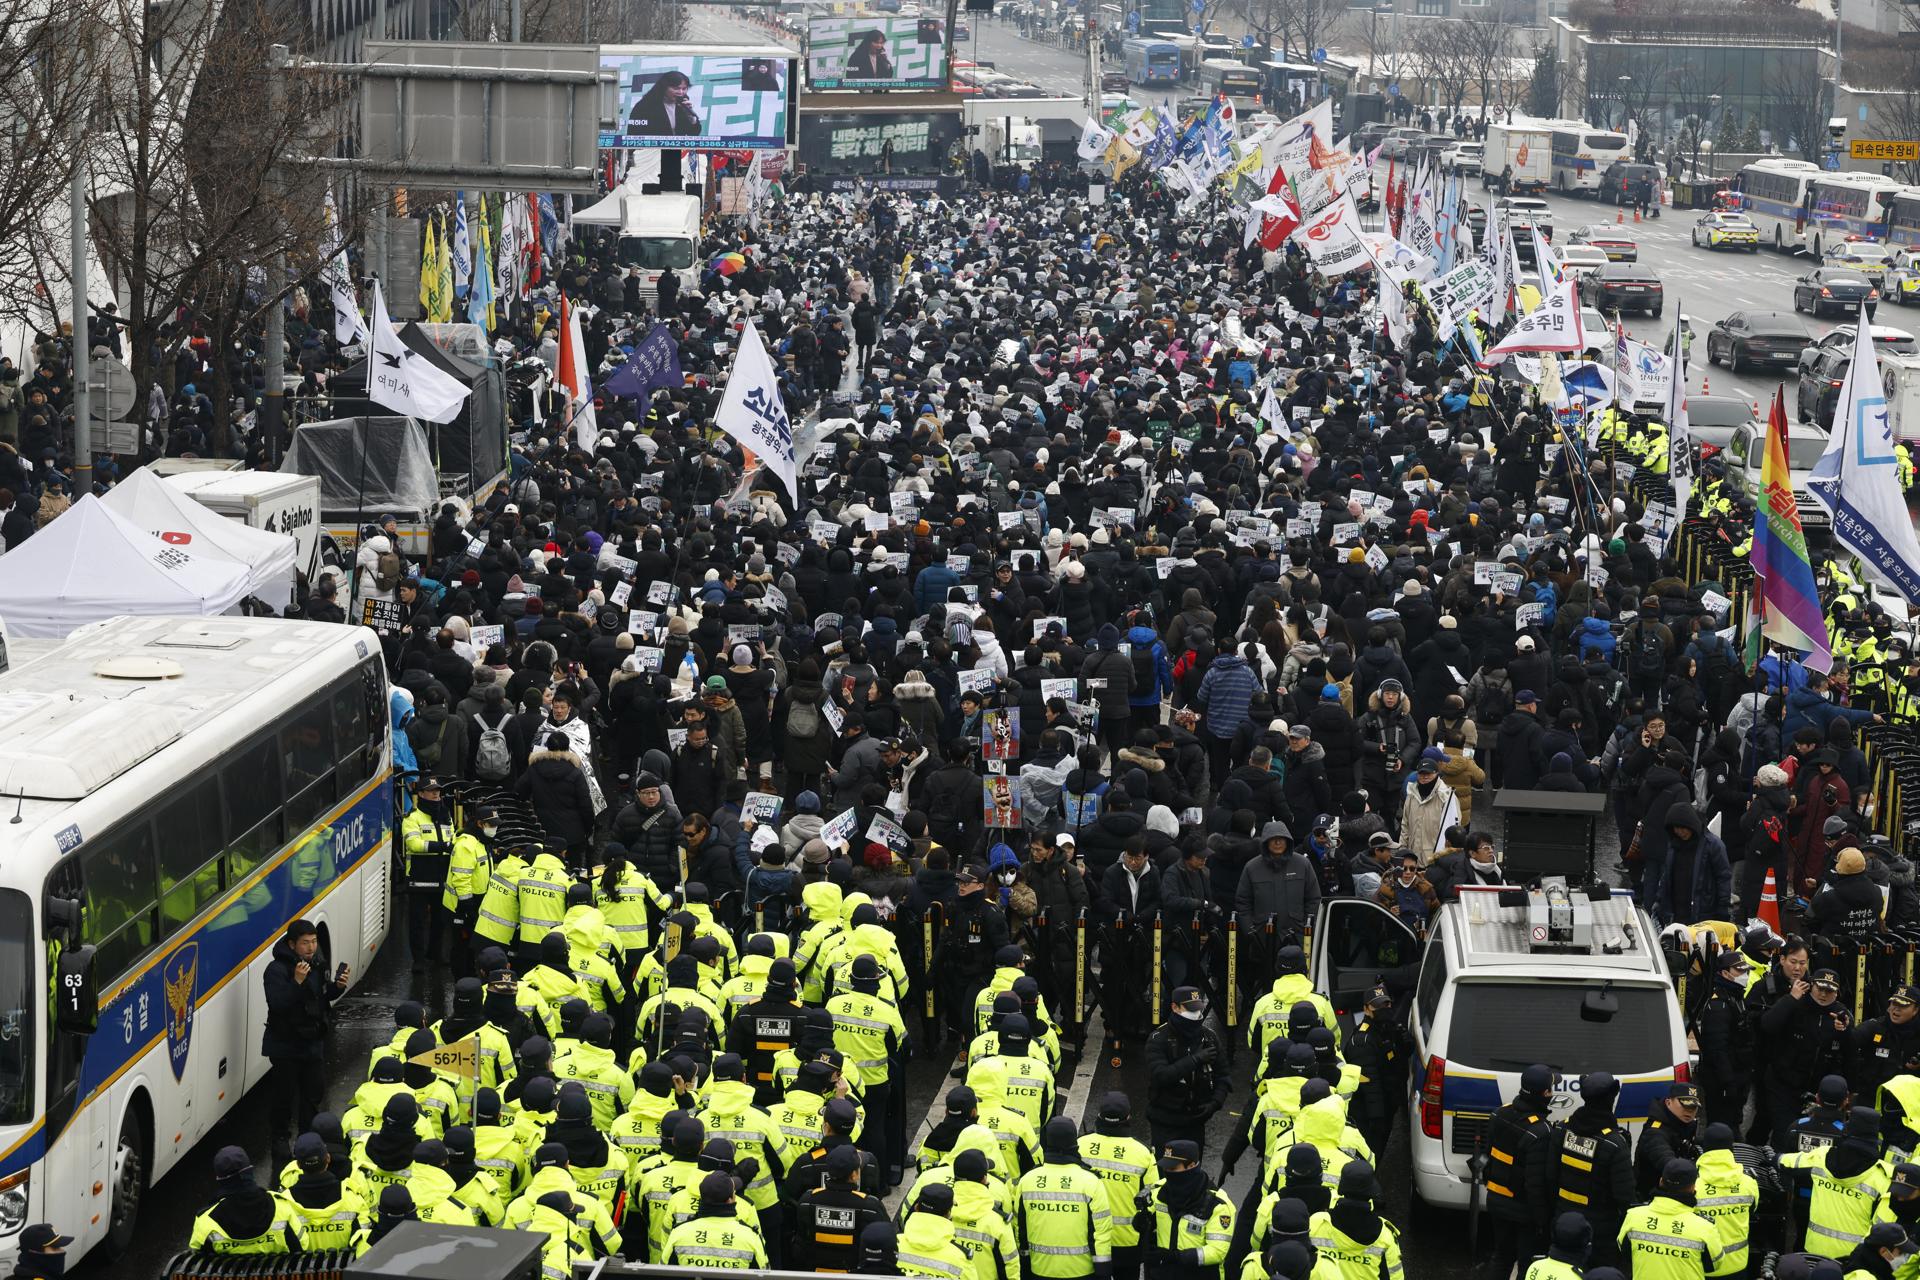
(1787, 602)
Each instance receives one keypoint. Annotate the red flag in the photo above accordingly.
(1275, 230)
(568, 375)
(1391, 202)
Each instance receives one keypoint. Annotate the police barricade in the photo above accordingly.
(1200, 951)
(330, 1264)
(1059, 945)
(1126, 944)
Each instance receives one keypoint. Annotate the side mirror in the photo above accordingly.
(78, 1008)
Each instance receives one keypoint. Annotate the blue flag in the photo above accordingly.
(655, 364)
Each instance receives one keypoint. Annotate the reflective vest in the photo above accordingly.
(1127, 1168)
(469, 872)
(281, 1236)
(329, 1226)
(542, 898)
(496, 1063)
(1062, 1214)
(1726, 1197)
(1044, 1044)
(418, 834)
(625, 908)
(982, 1231)
(1180, 1236)
(1026, 1084)
(867, 1029)
(1841, 1210)
(1378, 1259)
(1666, 1240)
(609, 1088)
(715, 1243)
(500, 1150)
(592, 1214)
(926, 1248)
(652, 1195)
(1268, 1021)
(499, 918)
(1551, 1269)
(728, 1112)
(604, 1181)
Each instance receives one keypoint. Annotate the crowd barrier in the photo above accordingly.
(330, 1264)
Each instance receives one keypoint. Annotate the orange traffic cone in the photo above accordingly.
(1619, 215)
(1770, 904)
(1706, 385)
(1636, 215)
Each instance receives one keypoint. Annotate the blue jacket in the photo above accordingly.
(1145, 638)
(1805, 707)
(1595, 639)
(1226, 692)
(1707, 896)
(931, 585)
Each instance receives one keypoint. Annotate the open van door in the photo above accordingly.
(1356, 943)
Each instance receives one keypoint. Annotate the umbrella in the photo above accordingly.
(726, 264)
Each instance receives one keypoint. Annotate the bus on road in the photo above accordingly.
(1581, 154)
(1843, 206)
(1235, 81)
(184, 788)
(1774, 195)
(1151, 61)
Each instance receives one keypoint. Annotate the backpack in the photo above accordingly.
(1649, 652)
(427, 751)
(492, 758)
(803, 720)
(1495, 700)
(1715, 662)
(1146, 676)
(775, 905)
(386, 571)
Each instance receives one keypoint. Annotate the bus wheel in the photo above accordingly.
(132, 1165)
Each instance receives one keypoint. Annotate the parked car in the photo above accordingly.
(1886, 340)
(1746, 453)
(1462, 157)
(1626, 183)
(1527, 211)
(1820, 382)
(1623, 286)
(1747, 338)
(1902, 281)
(1612, 240)
(1720, 230)
(1839, 289)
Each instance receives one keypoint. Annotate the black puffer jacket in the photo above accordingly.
(652, 837)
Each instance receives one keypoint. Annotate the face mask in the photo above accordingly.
(1192, 1015)
(1006, 877)
(489, 832)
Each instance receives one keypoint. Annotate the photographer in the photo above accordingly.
(1807, 1034)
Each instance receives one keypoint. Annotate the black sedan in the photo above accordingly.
(1757, 338)
(1839, 289)
(1622, 286)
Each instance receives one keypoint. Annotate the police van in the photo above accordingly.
(1566, 976)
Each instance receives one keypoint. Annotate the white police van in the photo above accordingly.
(1564, 976)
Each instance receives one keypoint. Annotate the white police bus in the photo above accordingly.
(176, 791)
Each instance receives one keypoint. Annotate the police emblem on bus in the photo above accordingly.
(180, 974)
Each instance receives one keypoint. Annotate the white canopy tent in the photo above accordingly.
(170, 515)
(93, 563)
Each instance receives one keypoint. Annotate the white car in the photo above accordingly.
(1578, 259)
(1461, 157)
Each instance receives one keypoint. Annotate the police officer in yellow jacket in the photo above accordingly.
(1192, 1218)
(498, 917)
(715, 1238)
(247, 1218)
(1664, 1239)
(925, 1246)
(469, 872)
(542, 898)
(329, 1211)
(1061, 1210)
(1727, 1196)
(426, 841)
(1847, 1180)
(869, 1031)
(1129, 1169)
(1568, 1247)
(394, 1207)
(1352, 1236)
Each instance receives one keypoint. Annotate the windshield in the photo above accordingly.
(1711, 411)
(1508, 1026)
(656, 252)
(17, 941)
(1804, 451)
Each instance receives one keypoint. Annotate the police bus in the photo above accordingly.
(1581, 154)
(1774, 195)
(178, 791)
(1152, 61)
(1846, 206)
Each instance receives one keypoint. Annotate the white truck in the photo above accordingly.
(271, 500)
(1010, 141)
(1900, 375)
(661, 233)
(1523, 147)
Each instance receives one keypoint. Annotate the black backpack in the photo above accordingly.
(1495, 700)
(1144, 676)
(1649, 651)
(1715, 661)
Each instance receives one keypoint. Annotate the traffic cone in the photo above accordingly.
(1636, 215)
(1706, 385)
(1770, 904)
(1619, 215)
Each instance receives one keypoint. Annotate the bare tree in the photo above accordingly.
(1796, 105)
(611, 21)
(1488, 39)
(1297, 25)
(197, 183)
(1441, 58)
(47, 85)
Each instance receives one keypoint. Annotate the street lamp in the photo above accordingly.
(1713, 120)
(1624, 120)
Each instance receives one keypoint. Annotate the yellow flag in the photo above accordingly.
(443, 291)
(462, 1057)
(429, 271)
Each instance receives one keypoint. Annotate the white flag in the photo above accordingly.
(1396, 261)
(462, 247)
(1554, 325)
(1858, 478)
(404, 380)
(1331, 238)
(1679, 433)
(573, 378)
(753, 413)
(349, 326)
(1094, 139)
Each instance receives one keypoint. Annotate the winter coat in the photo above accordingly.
(1434, 661)
(1306, 788)
(1595, 639)
(1226, 692)
(1520, 754)
(1335, 731)
(1396, 731)
(1285, 887)
(555, 784)
(1425, 816)
(1707, 892)
(652, 837)
(805, 756)
(919, 707)
(297, 1013)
